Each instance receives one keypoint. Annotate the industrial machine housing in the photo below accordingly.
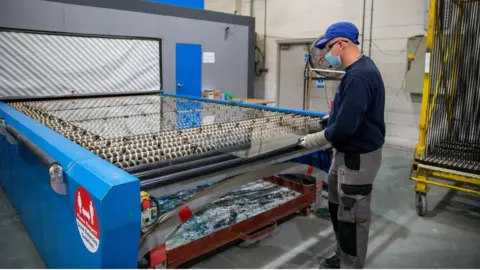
(84, 128)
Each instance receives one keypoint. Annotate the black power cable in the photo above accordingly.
(259, 71)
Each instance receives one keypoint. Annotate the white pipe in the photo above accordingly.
(327, 70)
(251, 8)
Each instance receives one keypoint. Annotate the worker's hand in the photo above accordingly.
(313, 140)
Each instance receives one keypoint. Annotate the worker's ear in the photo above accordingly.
(341, 46)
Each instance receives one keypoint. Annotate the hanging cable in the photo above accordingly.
(259, 64)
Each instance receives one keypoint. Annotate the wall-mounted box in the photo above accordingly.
(415, 64)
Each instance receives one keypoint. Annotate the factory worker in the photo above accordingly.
(356, 131)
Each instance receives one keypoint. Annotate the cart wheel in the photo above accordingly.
(421, 203)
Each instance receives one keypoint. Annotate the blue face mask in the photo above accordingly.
(333, 60)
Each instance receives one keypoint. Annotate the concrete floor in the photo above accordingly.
(448, 237)
(16, 248)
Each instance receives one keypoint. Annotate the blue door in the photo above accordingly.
(189, 83)
(189, 69)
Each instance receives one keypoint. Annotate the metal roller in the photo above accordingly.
(134, 131)
(184, 159)
(158, 172)
(192, 173)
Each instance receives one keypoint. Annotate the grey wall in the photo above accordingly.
(230, 72)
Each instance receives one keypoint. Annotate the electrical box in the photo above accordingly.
(415, 64)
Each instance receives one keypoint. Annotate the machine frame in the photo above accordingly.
(28, 178)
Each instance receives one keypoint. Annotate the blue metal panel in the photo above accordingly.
(4, 162)
(189, 82)
(200, 4)
(50, 218)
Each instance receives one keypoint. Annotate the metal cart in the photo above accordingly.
(448, 150)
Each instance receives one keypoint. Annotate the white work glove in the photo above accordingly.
(314, 140)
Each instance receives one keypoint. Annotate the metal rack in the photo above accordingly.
(449, 139)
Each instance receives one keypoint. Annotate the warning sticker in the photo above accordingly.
(87, 221)
(320, 83)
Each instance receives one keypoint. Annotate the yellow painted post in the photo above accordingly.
(421, 178)
(421, 185)
(420, 149)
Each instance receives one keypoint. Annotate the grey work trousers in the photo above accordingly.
(350, 181)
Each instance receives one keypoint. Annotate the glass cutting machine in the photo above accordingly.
(86, 132)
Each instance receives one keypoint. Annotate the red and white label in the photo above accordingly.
(87, 220)
(158, 256)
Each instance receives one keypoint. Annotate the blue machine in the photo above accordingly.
(50, 217)
(80, 210)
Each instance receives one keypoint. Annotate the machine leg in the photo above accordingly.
(306, 211)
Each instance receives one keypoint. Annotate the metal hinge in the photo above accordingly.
(3, 132)
(57, 182)
(2, 127)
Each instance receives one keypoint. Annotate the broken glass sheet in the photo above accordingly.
(240, 204)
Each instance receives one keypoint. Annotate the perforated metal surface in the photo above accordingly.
(134, 130)
(39, 64)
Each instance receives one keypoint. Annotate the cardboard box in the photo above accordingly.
(211, 94)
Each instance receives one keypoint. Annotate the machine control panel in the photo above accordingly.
(149, 210)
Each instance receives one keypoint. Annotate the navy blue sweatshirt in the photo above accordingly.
(356, 123)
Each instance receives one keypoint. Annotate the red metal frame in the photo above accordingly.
(247, 230)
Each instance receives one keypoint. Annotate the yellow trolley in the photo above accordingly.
(448, 150)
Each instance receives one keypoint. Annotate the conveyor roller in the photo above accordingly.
(134, 131)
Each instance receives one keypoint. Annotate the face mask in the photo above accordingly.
(333, 60)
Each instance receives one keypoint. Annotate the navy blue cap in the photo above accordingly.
(339, 29)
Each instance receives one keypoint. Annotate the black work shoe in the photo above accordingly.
(330, 263)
